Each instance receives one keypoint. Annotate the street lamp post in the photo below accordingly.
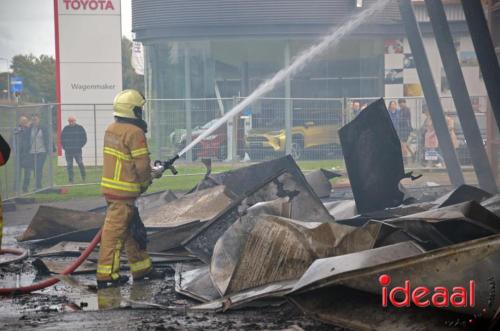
(8, 77)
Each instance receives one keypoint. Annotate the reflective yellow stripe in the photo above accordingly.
(116, 257)
(120, 185)
(116, 153)
(139, 152)
(141, 265)
(118, 169)
(104, 269)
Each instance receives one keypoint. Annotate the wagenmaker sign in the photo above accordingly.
(89, 69)
(84, 87)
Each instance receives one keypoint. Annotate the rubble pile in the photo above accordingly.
(260, 235)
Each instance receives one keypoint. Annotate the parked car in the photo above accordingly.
(306, 138)
(213, 146)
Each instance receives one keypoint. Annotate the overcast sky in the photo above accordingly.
(27, 26)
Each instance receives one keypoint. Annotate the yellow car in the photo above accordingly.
(310, 136)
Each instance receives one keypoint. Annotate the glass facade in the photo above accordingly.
(220, 70)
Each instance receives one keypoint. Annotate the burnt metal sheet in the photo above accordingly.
(202, 242)
(449, 266)
(322, 270)
(229, 247)
(168, 258)
(463, 193)
(147, 204)
(492, 204)
(342, 209)
(51, 221)
(195, 282)
(385, 214)
(357, 310)
(265, 249)
(373, 158)
(80, 236)
(304, 205)
(249, 297)
(172, 237)
(64, 248)
(459, 223)
(246, 180)
(198, 206)
(320, 181)
(441, 227)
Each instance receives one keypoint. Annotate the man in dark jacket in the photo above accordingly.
(73, 138)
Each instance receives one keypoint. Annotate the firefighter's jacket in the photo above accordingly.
(126, 166)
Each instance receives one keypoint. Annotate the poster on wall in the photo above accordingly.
(393, 46)
(467, 59)
(408, 62)
(393, 76)
(412, 90)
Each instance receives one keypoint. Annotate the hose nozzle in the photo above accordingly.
(167, 164)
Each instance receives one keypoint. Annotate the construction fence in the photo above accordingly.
(269, 128)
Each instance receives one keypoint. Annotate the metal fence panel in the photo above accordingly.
(258, 133)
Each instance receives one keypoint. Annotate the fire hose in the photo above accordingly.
(21, 254)
(53, 280)
(160, 167)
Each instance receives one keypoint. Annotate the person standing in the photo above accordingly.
(405, 129)
(126, 174)
(355, 109)
(4, 157)
(395, 114)
(21, 146)
(399, 124)
(73, 138)
(39, 147)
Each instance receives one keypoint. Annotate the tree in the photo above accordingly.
(3, 84)
(130, 79)
(39, 77)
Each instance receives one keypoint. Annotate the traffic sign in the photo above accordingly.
(16, 84)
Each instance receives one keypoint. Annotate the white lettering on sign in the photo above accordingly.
(89, 4)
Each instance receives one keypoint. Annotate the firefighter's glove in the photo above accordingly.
(157, 171)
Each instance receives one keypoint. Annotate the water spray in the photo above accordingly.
(331, 40)
(304, 58)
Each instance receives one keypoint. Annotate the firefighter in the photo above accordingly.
(126, 174)
(4, 157)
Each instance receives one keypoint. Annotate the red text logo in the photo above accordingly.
(89, 4)
(421, 296)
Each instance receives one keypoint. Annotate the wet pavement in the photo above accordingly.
(153, 305)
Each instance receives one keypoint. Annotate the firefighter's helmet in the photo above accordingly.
(128, 103)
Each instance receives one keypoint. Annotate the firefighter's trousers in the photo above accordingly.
(115, 235)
